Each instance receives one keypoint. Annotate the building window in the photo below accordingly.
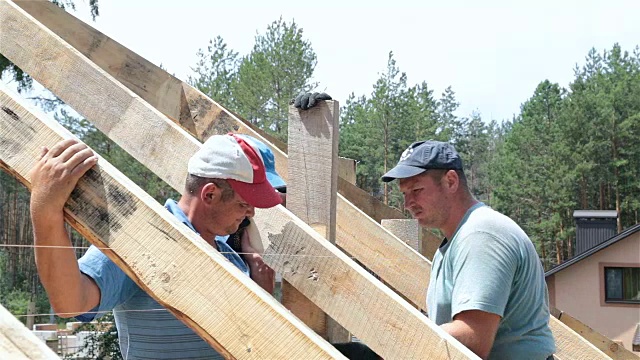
(622, 284)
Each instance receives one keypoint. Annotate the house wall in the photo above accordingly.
(579, 291)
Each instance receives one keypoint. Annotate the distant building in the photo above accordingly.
(600, 285)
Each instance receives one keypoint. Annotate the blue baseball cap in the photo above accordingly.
(422, 156)
(269, 161)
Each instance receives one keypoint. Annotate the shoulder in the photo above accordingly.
(486, 223)
(490, 236)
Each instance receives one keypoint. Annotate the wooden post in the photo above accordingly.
(18, 342)
(407, 230)
(31, 309)
(312, 190)
(347, 169)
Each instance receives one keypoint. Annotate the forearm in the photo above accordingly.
(265, 282)
(475, 341)
(68, 289)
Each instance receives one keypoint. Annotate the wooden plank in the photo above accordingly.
(159, 253)
(604, 344)
(403, 269)
(570, 345)
(313, 174)
(407, 230)
(345, 291)
(17, 342)
(347, 169)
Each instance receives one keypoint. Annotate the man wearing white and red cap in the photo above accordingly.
(226, 181)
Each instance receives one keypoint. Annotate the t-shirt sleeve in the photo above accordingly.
(483, 272)
(115, 286)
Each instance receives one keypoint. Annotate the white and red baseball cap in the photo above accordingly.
(238, 161)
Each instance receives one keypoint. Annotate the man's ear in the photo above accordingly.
(209, 193)
(451, 181)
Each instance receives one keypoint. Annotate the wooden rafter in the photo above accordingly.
(18, 343)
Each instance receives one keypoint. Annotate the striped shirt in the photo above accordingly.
(146, 330)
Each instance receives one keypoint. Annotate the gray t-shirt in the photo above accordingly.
(491, 265)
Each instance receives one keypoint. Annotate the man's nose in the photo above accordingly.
(407, 201)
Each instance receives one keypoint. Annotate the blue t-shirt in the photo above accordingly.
(146, 330)
(491, 265)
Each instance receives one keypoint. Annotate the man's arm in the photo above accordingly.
(53, 178)
(475, 329)
(259, 271)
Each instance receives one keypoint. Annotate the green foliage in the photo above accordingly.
(260, 85)
(573, 149)
(103, 343)
(376, 130)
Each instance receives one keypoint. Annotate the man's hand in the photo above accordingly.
(57, 172)
(260, 272)
(53, 178)
(306, 101)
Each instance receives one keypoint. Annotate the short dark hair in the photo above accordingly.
(194, 183)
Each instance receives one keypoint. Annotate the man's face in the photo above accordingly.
(425, 199)
(225, 216)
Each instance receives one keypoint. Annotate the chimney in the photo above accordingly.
(593, 227)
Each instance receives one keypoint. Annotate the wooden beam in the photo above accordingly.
(159, 253)
(570, 345)
(604, 344)
(401, 267)
(313, 170)
(407, 230)
(347, 170)
(332, 280)
(17, 342)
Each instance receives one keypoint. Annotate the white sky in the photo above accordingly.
(493, 53)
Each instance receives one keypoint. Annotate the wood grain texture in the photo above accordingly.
(17, 342)
(570, 345)
(604, 344)
(313, 180)
(407, 230)
(165, 258)
(396, 329)
(347, 170)
(203, 117)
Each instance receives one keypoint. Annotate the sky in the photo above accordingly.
(492, 53)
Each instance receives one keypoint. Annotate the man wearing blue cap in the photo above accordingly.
(487, 285)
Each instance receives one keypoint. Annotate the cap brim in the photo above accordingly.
(275, 180)
(261, 195)
(402, 172)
